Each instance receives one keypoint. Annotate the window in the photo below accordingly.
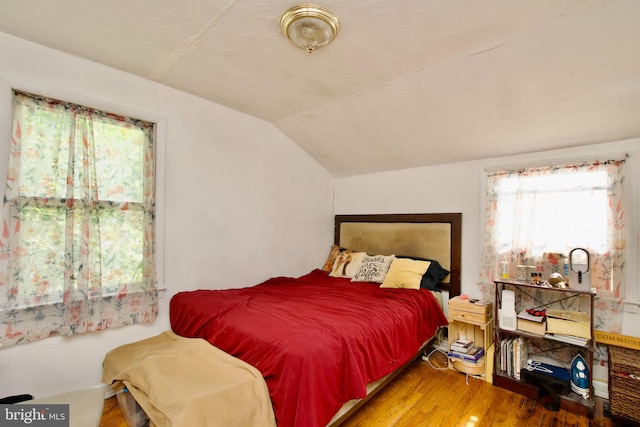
(537, 216)
(561, 208)
(77, 243)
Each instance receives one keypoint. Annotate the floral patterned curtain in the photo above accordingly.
(77, 243)
(537, 216)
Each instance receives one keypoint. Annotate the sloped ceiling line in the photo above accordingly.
(183, 47)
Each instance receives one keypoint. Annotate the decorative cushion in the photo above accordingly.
(405, 273)
(373, 268)
(333, 253)
(434, 274)
(347, 264)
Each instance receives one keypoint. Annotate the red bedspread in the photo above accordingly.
(318, 340)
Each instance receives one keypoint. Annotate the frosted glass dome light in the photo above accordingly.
(309, 27)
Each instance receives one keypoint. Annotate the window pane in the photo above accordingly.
(122, 243)
(45, 152)
(42, 251)
(119, 161)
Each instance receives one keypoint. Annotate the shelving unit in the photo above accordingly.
(553, 296)
(466, 321)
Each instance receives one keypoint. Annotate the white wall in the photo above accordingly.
(460, 187)
(239, 202)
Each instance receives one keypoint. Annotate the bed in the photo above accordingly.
(326, 343)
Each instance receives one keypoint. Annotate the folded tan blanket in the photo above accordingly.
(188, 382)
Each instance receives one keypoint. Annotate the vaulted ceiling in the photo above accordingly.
(406, 83)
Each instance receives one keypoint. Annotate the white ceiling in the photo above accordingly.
(406, 83)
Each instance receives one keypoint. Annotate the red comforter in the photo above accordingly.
(318, 340)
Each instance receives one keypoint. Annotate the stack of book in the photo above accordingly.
(465, 350)
(573, 327)
(532, 324)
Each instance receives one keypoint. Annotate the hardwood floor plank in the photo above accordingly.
(479, 411)
(396, 398)
(111, 415)
(499, 411)
(467, 409)
(536, 414)
(424, 396)
(440, 406)
(475, 408)
(511, 409)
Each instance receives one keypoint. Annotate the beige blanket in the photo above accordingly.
(188, 382)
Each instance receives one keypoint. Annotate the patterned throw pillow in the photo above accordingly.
(373, 268)
(347, 264)
(333, 253)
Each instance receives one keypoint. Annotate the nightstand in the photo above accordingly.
(475, 323)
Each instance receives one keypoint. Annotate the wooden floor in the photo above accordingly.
(425, 396)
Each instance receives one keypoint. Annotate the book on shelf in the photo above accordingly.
(461, 345)
(569, 339)
(532, 324)
(521, 354)
(473, 355)
(513, 356)
(566, 322)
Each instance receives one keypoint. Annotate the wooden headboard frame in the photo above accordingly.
(416, 238)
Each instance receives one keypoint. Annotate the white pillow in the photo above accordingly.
(373, 268)
(347, 264)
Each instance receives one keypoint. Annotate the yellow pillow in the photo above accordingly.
(405, 273)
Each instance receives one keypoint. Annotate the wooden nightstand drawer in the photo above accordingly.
(466, 316)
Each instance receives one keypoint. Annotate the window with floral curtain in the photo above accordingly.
(77, 244)
(537, 216)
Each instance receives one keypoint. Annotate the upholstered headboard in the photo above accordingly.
(432, 236)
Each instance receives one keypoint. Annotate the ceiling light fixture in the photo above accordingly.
(309, 26)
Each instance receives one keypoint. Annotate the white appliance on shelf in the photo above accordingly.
(507, 316)
(579, 270)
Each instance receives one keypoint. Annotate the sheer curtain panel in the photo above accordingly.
(77, 244)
